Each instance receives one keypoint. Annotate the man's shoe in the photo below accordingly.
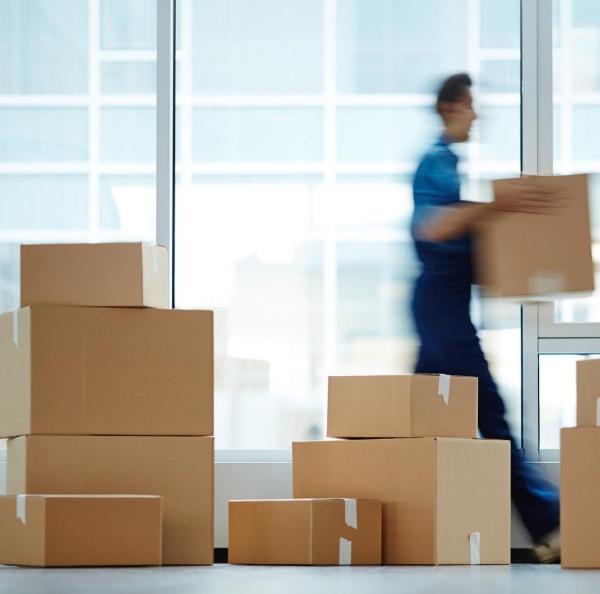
(547, 549)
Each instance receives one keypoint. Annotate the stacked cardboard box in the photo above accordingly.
(580, 474)
(446, 495)
(103, 392)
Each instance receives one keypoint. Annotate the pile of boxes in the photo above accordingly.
(106, 391)
(580, 474)
(409, 442)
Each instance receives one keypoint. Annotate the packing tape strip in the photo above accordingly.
(598, 412)
(16, 327)
(351, 513)
(475, 541)
(21, 510)
(345, 552)
(154, 258)
(444, 387)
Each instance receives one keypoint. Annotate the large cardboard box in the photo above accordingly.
(445, 501)
(95, 274)
(402, 406)
(539, 256)
(106, 371)
(179, 469)
(80, 530)
(588, 393)
(305, 532)
(579, 497)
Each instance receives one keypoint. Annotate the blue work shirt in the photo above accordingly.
(436, 184)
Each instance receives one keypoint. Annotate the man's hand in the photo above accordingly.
(527, 198)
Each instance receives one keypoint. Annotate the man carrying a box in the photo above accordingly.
(441, 227)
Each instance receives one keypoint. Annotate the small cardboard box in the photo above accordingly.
(80, 531)
(402, 406)
(178, 469)
(305, 532)
(95, 274)
(588, 393)
(445, 501)
(538, 256)
(579, 497)
(106, 371)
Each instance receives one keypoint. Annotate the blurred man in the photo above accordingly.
(441, 228)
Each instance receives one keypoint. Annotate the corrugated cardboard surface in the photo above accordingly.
(100, 274)
(473, 495)
(179, 469)
(401, 406)
(431, 498)
(588, 392)
(68, 531)
(302, 532)
(106, 371)
(579, 497)
(539, 255)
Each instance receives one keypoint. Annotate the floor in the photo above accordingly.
(230, 579)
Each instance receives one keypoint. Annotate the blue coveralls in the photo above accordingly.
(449, 342)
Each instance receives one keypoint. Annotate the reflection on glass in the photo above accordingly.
(128, 134)
(128, 24)
(128, 78)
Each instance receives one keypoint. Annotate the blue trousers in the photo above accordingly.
(449, 345)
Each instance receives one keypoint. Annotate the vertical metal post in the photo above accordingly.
(165, 130)
(536, 158)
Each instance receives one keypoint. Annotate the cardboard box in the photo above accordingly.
(70, 531)
(305, 532)
(438, 494)
(588, 393)
(179, 469)
(95, 274)
(579, 496)
(539, 256)
(106, 371)
(402, 406)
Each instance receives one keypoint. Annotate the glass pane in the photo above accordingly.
(281, 52)
(52, 185)
(500, 23)
(128, 134)
(558, 397)
(577, 115)
(250, 256)
(258, 134)
(398, 46)
(128, 78)
(384, 133)
(128, 24)
(43, 47)
(128, 206)
(319, 189)
(34, 134)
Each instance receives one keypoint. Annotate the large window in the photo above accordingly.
(77, 125)
(299, 125)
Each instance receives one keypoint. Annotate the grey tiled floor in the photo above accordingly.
(229, 579)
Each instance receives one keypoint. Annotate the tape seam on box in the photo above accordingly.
(475, 541)
(16, 327)
(351, 513)
(598, 411)
(311, 544)
(21, 508)
(345, 551)
(444, 387)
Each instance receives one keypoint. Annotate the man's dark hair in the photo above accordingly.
(453, 88)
